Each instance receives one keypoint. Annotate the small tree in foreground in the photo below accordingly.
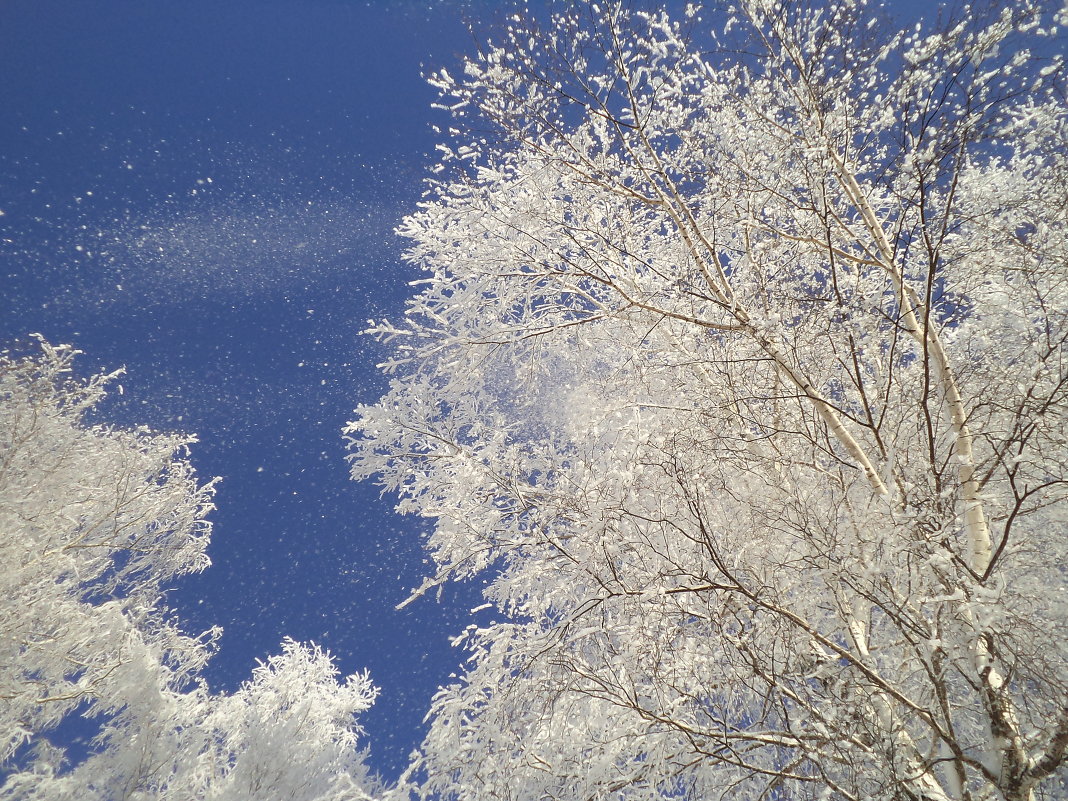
(740, 363)
(94, 521)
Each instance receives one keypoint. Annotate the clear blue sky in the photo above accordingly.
(204, 193)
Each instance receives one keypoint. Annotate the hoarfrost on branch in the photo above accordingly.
(739, 368)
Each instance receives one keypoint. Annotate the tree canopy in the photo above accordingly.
(739, 367)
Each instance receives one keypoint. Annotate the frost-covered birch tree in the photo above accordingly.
(738, 368)
(94, 523)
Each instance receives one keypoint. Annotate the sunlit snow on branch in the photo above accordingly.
(739, 367)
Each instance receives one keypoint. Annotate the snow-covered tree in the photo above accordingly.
(94, 522)
(739, 367)
(287, 735)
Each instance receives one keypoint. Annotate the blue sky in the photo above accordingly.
(204, 192)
